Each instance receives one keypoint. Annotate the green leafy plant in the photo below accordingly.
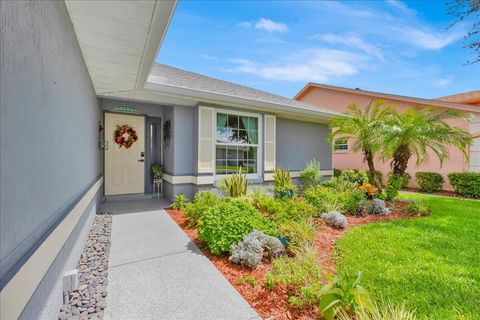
(358, 177)
(394, 185)
(429, 181)
(324, 199)
(416, 207)
(156, 171)
(340, 185)
(345, 293)
(298, 271)
(236, 184)
(299, 233)
(179, 202)
(247, 279)
(311, 174)
(352, 200)
(229, 221)
(202, 201)
(378, 177)
(256, 195)
(389, 312)
(283, 184)
(293, 209)
(337, 172)
(466, 184)
(406, 177)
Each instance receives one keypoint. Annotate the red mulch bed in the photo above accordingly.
(273, 304)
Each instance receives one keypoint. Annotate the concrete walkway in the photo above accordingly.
(156, 272)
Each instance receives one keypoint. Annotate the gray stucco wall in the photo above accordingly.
(49, 130)
(182, 128)
(299, 142)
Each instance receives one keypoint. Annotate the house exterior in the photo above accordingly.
(85, 111)
(338, 98)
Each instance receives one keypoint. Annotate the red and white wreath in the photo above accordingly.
(125, 136)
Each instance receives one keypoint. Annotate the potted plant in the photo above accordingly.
(156, 171)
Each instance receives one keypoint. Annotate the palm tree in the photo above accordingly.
(363, 127)
(418, 130)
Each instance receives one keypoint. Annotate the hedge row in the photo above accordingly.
(466, 184)
(429, 181)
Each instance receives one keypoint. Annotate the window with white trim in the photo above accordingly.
(340, 145)
(236, 143)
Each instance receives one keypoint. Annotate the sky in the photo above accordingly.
(399, 47)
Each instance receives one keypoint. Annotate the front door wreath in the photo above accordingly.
(125, 136)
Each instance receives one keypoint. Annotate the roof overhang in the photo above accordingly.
(388, 96)
(120, 39)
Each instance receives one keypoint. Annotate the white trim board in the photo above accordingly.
(197, 180)
(18, 291)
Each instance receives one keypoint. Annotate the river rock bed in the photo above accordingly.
(89, 300)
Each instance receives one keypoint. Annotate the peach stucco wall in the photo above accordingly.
(338, 101)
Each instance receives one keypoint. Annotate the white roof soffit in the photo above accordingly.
(120, 39)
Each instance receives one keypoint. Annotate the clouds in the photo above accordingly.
(318, 65)
(265, 25)
(429, 40)
(351, 41)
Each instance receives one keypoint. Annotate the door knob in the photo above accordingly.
(141, 160)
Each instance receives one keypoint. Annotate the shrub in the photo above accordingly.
(249, 251)
(293, 209)
(269, 206)
(299, 233)
(366, 207)
(394, 185)
(323, 199)
(416, 207)
(256, 195)
(311, 175)
(202, 201)
(334, 219)
(228, 222)
(429, 181)
(378, 176)
(340, 185)
(247, 279)
(379, 207)
(283, 184)
(351, 200)
(179, 202)
(466, 184)
(359, 177)
(298, 271)
(236, 185)
(405, 179)
(344, 293)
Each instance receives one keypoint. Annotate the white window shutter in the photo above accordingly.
(206, 139)
(269, 145)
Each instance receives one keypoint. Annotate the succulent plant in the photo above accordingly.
(334, 219)
(379, 207)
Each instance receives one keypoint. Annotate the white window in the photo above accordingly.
(237, 143)
(340, 145)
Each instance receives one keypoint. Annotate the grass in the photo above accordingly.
(431, 264)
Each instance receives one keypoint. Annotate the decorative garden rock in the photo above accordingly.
(334, 219)
(88, 300)
(249, 251)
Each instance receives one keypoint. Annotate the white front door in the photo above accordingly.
(124, 156)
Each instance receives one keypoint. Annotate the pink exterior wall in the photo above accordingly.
(338, 101)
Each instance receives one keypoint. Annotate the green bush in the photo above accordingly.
(293, 209)
(229, 221)
(324, 199)
(394, 185)
(311, 174)
(416, 207)
(179, 202)
(201, 203)
(405, 179)
(283, 184)
(466, 184)
(340, 185)
(429, 181)
(378, 176)
(299, 233)
(298, 271)
(352, 201)
(359, 177)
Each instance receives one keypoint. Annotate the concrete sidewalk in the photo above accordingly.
(156, 272)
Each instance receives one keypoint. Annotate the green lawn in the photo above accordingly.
(432, 264)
